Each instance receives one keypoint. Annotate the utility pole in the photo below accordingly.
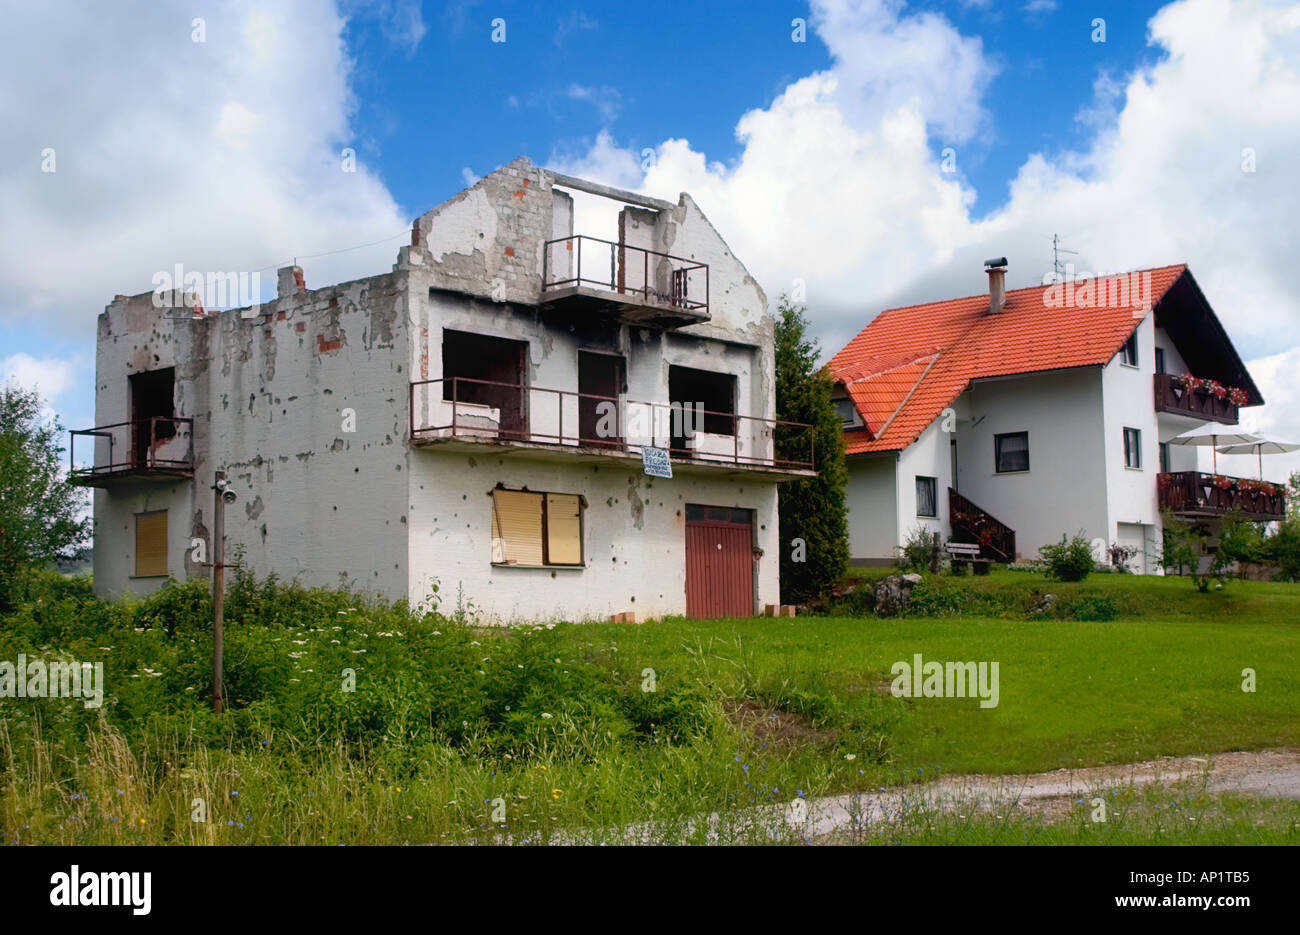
(221, 493)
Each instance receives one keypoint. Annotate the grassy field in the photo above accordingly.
(460, 733)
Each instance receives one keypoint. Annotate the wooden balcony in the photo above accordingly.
(158, 448)
(1192, 493)
(1197, 404)
(969, 523)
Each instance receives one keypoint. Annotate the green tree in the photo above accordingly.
(813, 509)
(40, 512)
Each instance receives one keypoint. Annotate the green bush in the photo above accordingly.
(1068, 560)
(1086, 606)
(921, 551)
(1282, 549)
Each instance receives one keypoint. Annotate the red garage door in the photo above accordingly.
(719, 562)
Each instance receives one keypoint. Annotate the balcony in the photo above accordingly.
(1199, 404)
(639, 286)
(465, 414)
(1192, 493)
(156, 448)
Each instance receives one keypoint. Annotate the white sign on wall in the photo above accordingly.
(656, 461)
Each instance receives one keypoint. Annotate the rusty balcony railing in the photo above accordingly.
(159, 445)
(627, 271)
(1199, 403)
(1193, 493)
(492, 412)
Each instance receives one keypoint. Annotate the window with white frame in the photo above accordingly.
(927, 496)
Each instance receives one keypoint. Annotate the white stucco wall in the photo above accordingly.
(872, 498)
(1064, 490)
(634, 537)
(928, 456)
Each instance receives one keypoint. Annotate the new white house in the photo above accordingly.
(480, 418)
(1011, 418)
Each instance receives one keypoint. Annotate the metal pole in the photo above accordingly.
(218, 588)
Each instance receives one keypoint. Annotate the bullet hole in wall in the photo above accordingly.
(403, 520)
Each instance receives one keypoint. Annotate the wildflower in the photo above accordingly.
(545, 714)
(850, 756)
(555, 793)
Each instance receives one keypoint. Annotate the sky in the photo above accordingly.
(870, 152)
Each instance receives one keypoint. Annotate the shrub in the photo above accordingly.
(1181, 548)
(1283, 549)
(1086, 606)
(1068, 560)
(921, 551)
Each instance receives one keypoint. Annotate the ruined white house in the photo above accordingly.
(474, 419)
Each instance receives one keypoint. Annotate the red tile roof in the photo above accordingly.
(904, 368)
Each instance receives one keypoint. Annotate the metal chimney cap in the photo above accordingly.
(996, 262)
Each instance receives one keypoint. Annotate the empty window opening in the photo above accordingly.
(698, 391)
(151, 544)
(482, 370)
(536, 529)
(153, 411)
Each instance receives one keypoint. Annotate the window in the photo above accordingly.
(1132, 448)
(1160, 360)
(536, 529)
(927, 496)
(847, 412)
(151, 544)
(1011, 452)
(488, 371)
(1164, 457)
(1128, 354)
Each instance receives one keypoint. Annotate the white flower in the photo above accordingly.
(544, 714)
(850, 756)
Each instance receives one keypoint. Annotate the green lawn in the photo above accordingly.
(451, 726)
(1071, 693)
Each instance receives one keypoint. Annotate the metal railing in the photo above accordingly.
(158, 444)
(670, 280)
(514, 413)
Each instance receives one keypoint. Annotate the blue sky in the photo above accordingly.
(821, 162)
(460, 101)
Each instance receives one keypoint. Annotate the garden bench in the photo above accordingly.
(966, 553)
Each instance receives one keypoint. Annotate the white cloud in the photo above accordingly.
(221, 155)
(50, 376)
(839, 180)
(607, 101)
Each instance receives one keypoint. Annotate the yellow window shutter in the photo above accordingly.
(151, 544)
(517, 527)
(563, 529)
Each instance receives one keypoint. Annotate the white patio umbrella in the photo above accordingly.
(1214, 440)
(1260, 448)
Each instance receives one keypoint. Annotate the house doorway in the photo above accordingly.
(153, 412)
(601, 382)
(719, 562)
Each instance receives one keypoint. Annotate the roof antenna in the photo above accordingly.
(1058, 272)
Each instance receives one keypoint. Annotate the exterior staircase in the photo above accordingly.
(997, 540)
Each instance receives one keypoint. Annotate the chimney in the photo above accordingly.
(997, 270)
